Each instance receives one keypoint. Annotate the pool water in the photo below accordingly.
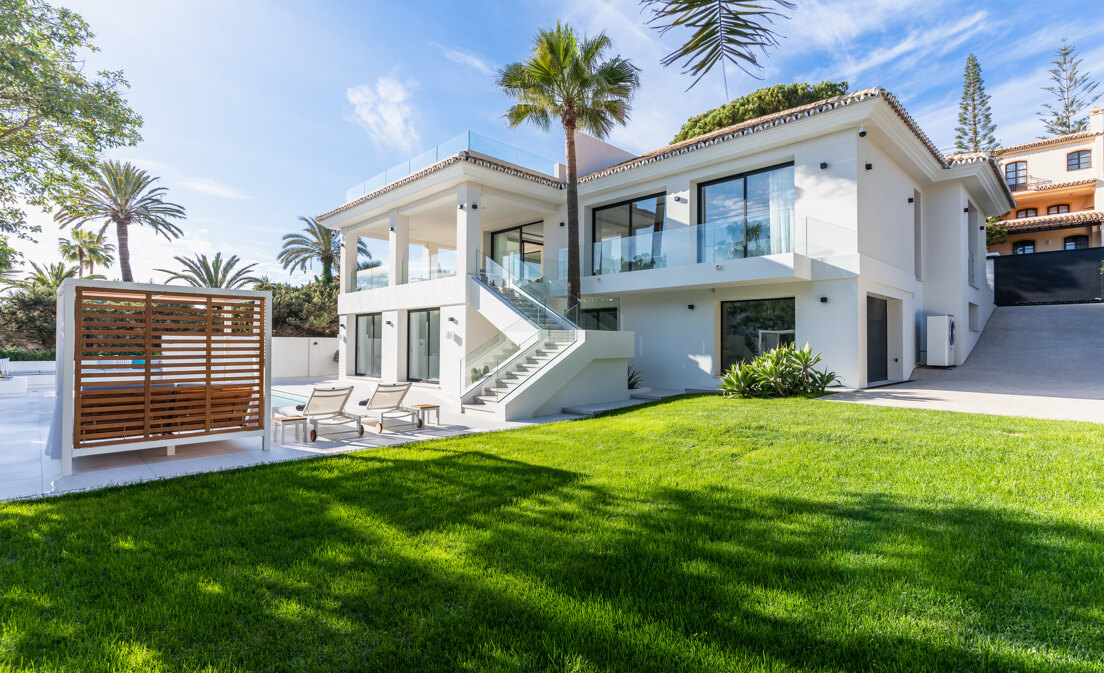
(282, 399)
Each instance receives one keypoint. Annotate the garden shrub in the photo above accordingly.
(786, 371)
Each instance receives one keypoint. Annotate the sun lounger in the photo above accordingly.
(386, 403)
(328, 404)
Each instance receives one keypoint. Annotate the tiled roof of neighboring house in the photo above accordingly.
(1053, 221)
(975, 157)
(706, 140)
(467, 156)
(1063, 185)
(1057, 140)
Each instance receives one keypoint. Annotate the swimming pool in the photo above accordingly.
(283, 399)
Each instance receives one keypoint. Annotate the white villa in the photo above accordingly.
(836, 224)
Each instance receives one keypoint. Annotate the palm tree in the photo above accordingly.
(316, 243)
(566, 76)
(125, 195)
(87, 248)
(47, 276)
(200, 272)
(724, 31)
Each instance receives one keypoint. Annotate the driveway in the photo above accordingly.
(1037, 361)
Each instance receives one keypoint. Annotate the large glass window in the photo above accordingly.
(1023, 247)
(369, 345)
(749, 328)
(1058, 209)
(747, 215)
(424, 345)
(1026, 212)
(1075, 161)
(1015, 174)
(520, 250)
(624, 234)
(1079, 242)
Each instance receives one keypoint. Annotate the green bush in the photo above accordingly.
(303, 310)
(786, 371)
(27, 318)
(24, 355)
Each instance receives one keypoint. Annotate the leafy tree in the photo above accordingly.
(566, 77)
(765, 101)
(87, 248)
(996, 231)
(306, 310)
(54, 118)
(724, 31)
(316, 243)
(1074, 92)
(125, 195)
(201, 272)
(975, 118)
(28, 317)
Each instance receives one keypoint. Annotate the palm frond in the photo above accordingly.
(732, 31)
(199, 271)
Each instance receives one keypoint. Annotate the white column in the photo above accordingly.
(399, 239)
(394, 346)
(348, 262)
(469, 198)
(678, 205)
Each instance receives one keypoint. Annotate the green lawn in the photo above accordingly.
(699, 534)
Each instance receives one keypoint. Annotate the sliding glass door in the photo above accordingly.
(423, 361)
(520, 250)
(369, 345)
(747, 215)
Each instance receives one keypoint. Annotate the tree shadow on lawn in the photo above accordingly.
(470, 561)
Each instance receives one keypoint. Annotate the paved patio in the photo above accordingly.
(1034, 361)
(26, 470)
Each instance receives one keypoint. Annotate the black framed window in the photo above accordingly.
(520, 249)
(368, 360)
(1075, 161)
(1058, 209)
(1026, 212)
(1015, 174)
(749, 328)
(747, 215)
(1078, 242)
(423, 361)
(611, 225)
(1023, 247)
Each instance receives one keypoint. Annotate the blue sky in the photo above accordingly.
(258, 112)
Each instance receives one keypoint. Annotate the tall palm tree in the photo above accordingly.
(125, 195)
(567, 76)
(87, 248)
(198, 271)
(316, 243)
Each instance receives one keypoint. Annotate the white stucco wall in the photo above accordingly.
(304, 356)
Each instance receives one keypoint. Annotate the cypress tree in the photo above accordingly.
(974, 132)
(1074, 92)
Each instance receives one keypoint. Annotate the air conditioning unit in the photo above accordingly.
(941, 341)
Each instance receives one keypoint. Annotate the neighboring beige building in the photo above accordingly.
(1059, 188)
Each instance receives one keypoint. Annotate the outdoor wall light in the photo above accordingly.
(824, 300)
(392, 228)
(690, 306)
(862, 130)
(719, 267)
(475, 206)
(453, 320)
(966, 209)
(459, 206)
(823, 165)
(680, 199)
(390, 324)
(869, 166)
(911, 199)
(561, 224)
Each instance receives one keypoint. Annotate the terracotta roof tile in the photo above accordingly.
(1053, 221)
(1057, 140)
(1063, 185)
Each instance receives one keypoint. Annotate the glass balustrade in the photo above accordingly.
(371, 279)
(430, 267)
(451, 147)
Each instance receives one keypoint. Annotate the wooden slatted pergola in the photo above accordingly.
(143, 366)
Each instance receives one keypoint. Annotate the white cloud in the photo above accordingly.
(466, 58)
(209, 187)
(385, 112)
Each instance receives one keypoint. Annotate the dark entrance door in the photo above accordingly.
(877, 340)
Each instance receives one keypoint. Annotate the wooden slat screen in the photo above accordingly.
(155, 366)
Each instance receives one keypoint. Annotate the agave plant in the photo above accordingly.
(785, 371)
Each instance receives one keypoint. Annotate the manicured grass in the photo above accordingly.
(699, 534)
